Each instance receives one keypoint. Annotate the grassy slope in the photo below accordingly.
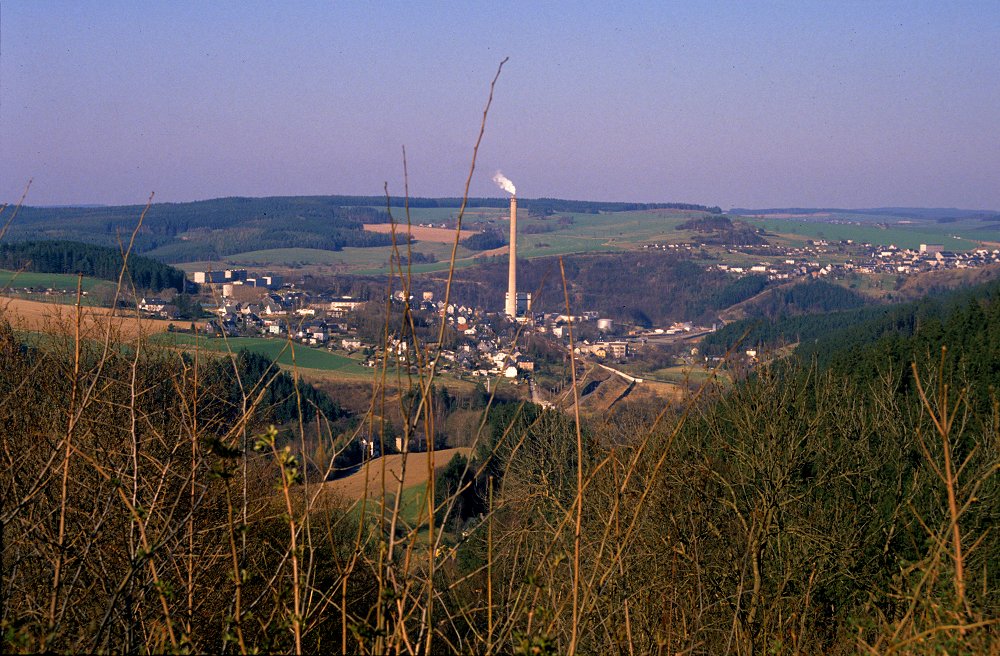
(68, 281)
(276, 349)
(953, 236)
(587, 233)
(322, 364)
(603, 232)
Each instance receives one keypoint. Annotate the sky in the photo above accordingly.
(736, 104)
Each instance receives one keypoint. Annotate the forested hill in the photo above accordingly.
(966, 323)
(179, 232)
(864, 342)
(674, 287)
(213, 229)
(791, 314)
(90, 260)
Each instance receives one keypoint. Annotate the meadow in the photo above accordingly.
(62, 281)
(566, 233)
(280, 350)
(318, 364)
(908, 235)
(587, 233)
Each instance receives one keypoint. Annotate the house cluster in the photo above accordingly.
(618, 350)
(158, 307)
(678, 328)
(487, 358)
(463, 318)
(311, 320)
(28, 291)
(671, 247)
(929, 257)
(863, 259)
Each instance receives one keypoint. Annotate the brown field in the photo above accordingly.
(490, 253)
(369, 483)
(440, 235)
(54, 318)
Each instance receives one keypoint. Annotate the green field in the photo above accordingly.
(279, 350)
(65, 281)
(954, 238)
(412, 510)
(678, 374)
(348, 260)
(412, 505)
(609, 231)
(588, 233)
(322, 363)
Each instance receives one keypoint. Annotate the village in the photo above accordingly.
(480, 340)
(838, 259)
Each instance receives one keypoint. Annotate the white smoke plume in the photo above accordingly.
(504, 183)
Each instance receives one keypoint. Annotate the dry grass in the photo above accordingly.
(420, 233)
(368, 480)
(58, 319)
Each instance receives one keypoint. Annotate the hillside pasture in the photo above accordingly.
(316, 364)
(280, 350)
(570, 233)
(907, 235)
(367, 481)
(60, 281)
(292, 262)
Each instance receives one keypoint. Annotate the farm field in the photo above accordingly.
(54, 318)
(292, 261)
(588, 233)
(66, 281)
(368, 480)
(579, 232)
(420, 233)
(443, 214)
(280, 350)
(680, 374)
(952, 237)
(318, 365)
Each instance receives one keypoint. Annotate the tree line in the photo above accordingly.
(182, 232)
(90, 260)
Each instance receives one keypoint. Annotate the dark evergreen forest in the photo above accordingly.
(210, 229)
(59, 256)
(864, 342)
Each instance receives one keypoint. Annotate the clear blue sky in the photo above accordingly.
(748, 104)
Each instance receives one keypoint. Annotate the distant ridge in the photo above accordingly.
(88, 206)
(208, 230)
(538, 204)
(929, 213)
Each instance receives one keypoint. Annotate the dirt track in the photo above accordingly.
(54, 318)
(358, 484)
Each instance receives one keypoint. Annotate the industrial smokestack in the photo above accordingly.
(511, 305)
